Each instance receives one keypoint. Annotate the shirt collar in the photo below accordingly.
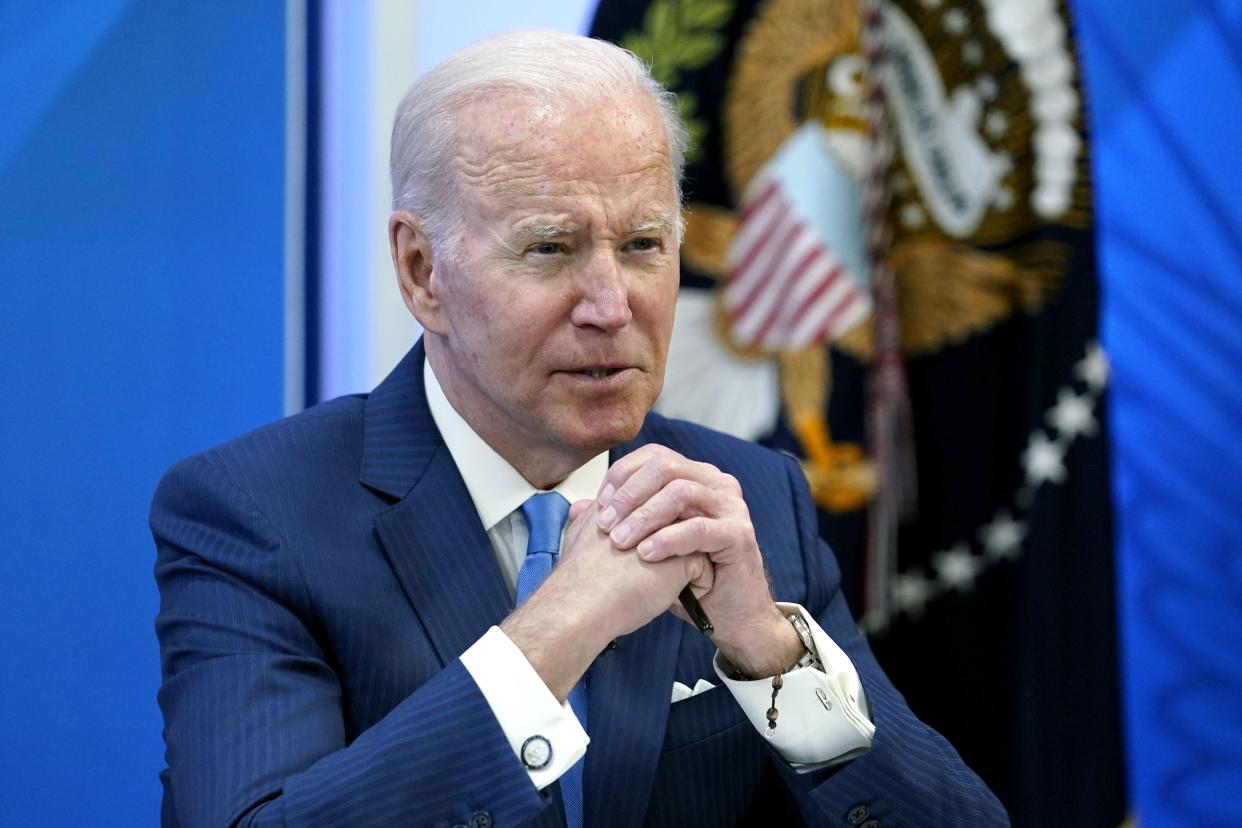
(496, 487)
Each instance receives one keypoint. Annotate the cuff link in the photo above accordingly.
(536, 753)
(823, 698)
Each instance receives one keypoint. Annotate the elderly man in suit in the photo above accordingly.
(338, 626)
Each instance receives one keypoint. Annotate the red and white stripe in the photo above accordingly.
(785, 289)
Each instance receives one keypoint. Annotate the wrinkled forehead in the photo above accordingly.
(525, 143)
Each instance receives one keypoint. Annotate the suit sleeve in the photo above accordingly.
(911, 775)
(253, 710)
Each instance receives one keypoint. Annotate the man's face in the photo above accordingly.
(558, 308)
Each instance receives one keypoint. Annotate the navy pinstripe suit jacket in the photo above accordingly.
(319, 578)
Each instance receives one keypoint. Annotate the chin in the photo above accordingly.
(596, 432)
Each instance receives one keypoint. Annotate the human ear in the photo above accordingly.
(414, 262)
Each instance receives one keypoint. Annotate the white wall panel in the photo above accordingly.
(371, 52)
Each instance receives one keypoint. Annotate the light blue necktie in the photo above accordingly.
(545, 515)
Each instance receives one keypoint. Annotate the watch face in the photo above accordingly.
(536, 753)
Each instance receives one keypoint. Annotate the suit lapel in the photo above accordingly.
(437, 547)
(432, 536)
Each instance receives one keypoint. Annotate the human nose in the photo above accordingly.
(603, 297)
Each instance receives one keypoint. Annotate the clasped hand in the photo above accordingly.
(665, 508)
(660, 522)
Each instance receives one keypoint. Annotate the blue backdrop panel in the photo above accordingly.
(141, 302)
(1165, 88)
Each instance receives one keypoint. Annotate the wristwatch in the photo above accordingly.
(810, 658)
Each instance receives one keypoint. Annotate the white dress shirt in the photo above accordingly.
(822, 718)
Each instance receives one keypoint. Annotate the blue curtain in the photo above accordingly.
(1164, 84)
(141, 305)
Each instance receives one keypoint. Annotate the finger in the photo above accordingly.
(640, 483)
(702, 578)
(679, 499)
(705, 578)
(581, 524)
(577, 508)
(621, 471)
(686, 537)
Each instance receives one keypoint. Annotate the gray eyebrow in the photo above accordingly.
(546, 231)
(657, 224)
(653, 225)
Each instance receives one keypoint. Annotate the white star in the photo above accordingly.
(1002, 538)
(1093, 368)
(956, 567)
(1044, 460)
(911, 592)
(986, 87)
(1072, 415)
(972, 52)
(955, 21)
(995, 124)
(912, 215)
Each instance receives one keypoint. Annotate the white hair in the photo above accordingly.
(544, 65)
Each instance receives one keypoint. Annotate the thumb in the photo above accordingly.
(577, 508)
(702, 574)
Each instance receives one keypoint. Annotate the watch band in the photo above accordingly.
(810, 658)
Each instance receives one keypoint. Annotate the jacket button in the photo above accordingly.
(857, 814)
(871, 823)
(480, 819)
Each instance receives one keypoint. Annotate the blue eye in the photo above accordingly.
(645, 244)
(548, 248)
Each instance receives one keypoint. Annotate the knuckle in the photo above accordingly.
(648, 454)
(623, 499)
(700, 527)
(681, 488)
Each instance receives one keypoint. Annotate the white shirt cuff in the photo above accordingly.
(524, 706)
(823, 714)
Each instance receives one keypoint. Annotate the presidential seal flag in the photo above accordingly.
(888, 269)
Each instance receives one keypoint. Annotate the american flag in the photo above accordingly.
(795, 263)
